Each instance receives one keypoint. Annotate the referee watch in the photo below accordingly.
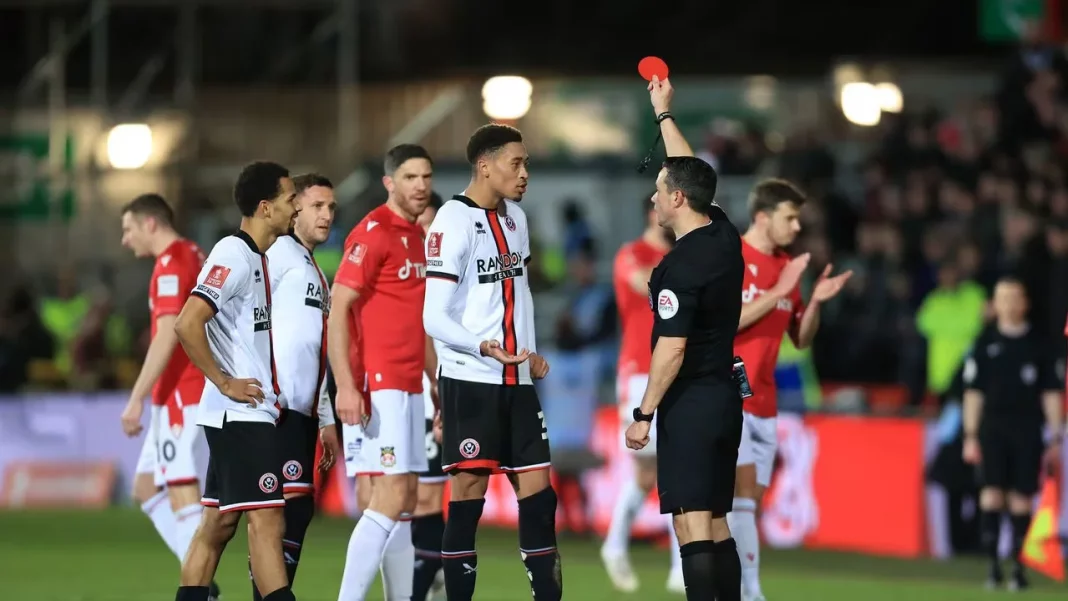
(641, 417)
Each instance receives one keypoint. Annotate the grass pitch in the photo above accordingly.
(116, 556)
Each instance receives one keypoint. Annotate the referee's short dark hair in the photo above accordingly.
(258, 182)
(490, 138)
(151, 205)
(310, 180)
(695, 178)
(768, 194)
(401, 154)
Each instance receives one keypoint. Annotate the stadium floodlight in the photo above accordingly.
(129, 145)
(860, 104)
(890, 98)
(506, 97)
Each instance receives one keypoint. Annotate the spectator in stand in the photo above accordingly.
(23, 339)
(950, 318)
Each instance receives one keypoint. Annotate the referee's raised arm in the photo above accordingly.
(660, 93)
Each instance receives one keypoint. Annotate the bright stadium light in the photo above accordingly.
(506, 97)
(860, 104)
(890, 98)
(129, 145)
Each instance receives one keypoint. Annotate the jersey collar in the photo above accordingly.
(244, 237)
(467, 201)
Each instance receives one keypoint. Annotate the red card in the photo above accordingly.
(653, 66)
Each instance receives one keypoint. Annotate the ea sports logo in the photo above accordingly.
(268, 483)
(292, 470)
(469, 448)
(667, 304)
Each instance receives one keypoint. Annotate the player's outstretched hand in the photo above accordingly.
(827, 287)
(638, 435)
(350, 407)
(660, 93)
(131, 418)
(494, 350)
(970, 453)
(790, 275)
(331, 447)
(539, 367)
(243, 390)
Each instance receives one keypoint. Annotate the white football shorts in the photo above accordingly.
(759, 445)
(394, 441)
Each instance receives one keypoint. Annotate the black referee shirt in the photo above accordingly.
(1012, 372)
(695, 293)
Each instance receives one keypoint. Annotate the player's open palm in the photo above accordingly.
(828, 287)
(350, 405)
(331, 447)
(494, 350)
(131, 418)
(637, 435)
(791, 274)
(539, 367)
(243, 390)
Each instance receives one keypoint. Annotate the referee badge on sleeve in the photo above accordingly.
(667, 304)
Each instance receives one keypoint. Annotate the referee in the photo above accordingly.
(694, 294)
(1011, 379)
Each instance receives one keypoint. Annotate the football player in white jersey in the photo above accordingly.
(225, 329)
(479, 310)
(301, 294)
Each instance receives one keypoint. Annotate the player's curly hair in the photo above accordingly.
(258, 182)
(695, 178)
(768, 194)
(490, 138)
(151, 205)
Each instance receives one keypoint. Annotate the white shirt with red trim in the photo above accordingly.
(301, 295)
(236, 283)
(478, 289)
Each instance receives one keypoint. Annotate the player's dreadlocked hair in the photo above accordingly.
(490, 138)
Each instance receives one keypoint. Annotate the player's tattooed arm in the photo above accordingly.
(664, 368)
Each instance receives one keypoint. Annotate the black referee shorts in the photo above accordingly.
(1011, 459)
(698, 429)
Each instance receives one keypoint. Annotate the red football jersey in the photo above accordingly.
(173, 278)
(384, 262)
(635, 315)
(758, 345)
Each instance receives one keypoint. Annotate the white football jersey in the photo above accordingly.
(301, 295)
(236, 283)
(486, 254)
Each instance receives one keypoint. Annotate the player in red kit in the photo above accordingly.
(630, 277)
(771, 307)
(378, 352)
(174, 446)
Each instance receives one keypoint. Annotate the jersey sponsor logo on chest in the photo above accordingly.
(315, 296)
(500, 267)
(261, 318)
(752, 293)
(409, 268)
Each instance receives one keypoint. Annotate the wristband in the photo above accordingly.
(641, 417)
(663, 116)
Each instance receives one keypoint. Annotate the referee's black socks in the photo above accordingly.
(537, 544)
(298, 514)
(1020, 524)
(427, 532)
(989, 532)
(711, 570)
(458, 557)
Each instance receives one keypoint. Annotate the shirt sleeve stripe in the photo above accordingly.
(443, 275)
(207, 299)
(526, 261)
